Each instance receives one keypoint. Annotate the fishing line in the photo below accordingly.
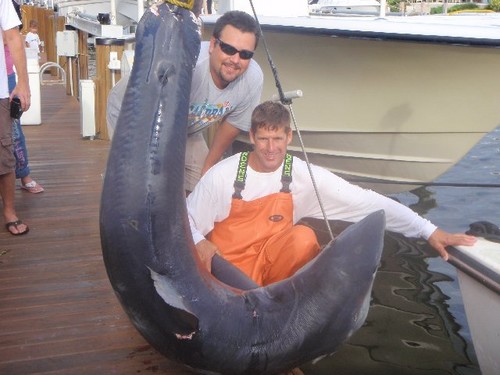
(420, 183)
(288, 101)
(459, 185)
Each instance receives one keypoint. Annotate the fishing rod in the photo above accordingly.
(287, 100)
(431, 184)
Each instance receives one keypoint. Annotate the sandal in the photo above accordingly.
(15, 224)
(32, 187)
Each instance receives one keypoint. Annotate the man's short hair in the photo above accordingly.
(270, 115)
(239, 20)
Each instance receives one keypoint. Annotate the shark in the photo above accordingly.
(220, 322)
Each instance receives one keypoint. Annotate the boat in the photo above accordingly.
(478, 270)
(388, 102)
(102, 18)
(339, 7)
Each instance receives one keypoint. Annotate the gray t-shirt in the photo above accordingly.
(208, 104)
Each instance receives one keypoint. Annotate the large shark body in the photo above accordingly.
(181, 309)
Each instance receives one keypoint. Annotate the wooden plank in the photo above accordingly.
(83, 54)
(58, 312)
(105, 79)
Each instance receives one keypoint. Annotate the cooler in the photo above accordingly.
(34, 115)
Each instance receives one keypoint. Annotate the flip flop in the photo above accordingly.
(33, 187)
(15, 225)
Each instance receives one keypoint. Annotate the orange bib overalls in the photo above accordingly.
(259, 237)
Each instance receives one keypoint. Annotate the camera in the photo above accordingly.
(15, 108)
(104, 18)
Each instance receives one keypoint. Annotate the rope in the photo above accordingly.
(420, 183)
(460, 185)
(288, 102)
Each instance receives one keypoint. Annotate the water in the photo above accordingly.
(417, 323)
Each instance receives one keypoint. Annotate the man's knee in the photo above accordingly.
(296, 248)
(305, 238)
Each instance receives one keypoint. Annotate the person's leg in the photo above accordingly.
(22, 163)
(7, 191)
(287, 252)
(21, 151)
(7, 175)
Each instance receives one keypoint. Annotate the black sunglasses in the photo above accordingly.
(230, 50)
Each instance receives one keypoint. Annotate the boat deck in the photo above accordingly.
(58, 312)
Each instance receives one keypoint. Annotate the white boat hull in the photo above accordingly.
(482, 307)
(478, 270)
(378, 108)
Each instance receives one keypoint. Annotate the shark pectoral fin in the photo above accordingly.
(188, 322)
(168, 293)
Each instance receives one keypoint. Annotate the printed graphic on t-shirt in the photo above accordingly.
(202, 115)
(33, 40)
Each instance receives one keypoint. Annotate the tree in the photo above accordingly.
(394, 5)
(495, 5)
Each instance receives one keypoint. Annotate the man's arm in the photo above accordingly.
(14, 41)
(224, 136)
(345, 201)
(206, 251)
(205, 248)
(114, 103)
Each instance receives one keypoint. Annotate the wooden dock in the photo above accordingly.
(58, 312)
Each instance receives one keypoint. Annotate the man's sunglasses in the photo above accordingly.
(230, 50)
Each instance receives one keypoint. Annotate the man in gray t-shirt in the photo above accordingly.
(226, 87)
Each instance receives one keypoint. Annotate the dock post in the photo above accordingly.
(105, 78)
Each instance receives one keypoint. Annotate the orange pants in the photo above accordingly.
(283, 254)
(260, 239)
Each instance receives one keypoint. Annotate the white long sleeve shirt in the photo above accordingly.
(210, 202)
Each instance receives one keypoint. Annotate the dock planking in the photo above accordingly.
(58, 312)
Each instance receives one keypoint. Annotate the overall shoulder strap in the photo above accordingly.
(241, 175)
(286, 174)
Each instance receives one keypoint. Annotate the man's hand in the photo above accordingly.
(206, 251)
(440, 239)
(22, 91)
